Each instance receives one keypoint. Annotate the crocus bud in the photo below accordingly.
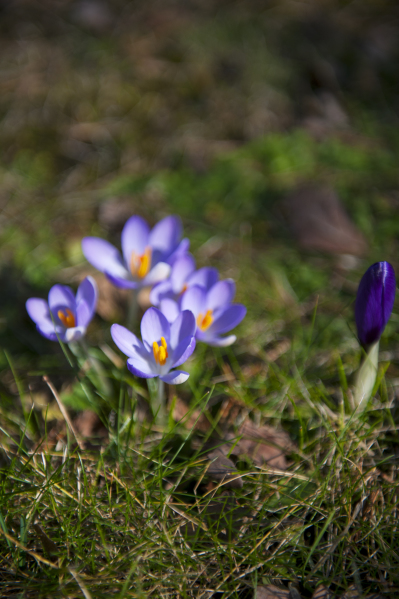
(374, 302)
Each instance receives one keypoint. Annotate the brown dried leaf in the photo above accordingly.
(223, 469)
(87, 424)
(271, 592)
(322, 592)
(48, 545)
(195, 420)
(263, 444)
(319, 222)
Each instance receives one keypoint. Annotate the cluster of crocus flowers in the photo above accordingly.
(374, 303)
(64, 316)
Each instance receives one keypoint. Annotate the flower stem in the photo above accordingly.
(366, 377)
(159, 405)
(133, 310)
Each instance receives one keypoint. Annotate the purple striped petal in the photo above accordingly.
(182, 328)
(170, 309)
(141, 369)
(176, 377)
(61, 296)
(104, 256)
(154, 325)
(166, 234)
(86, 301)
(181, 270)
(374, 301)
(194, 299)
(183, 351)
(221, 294)
(204, 277)
(135, 238)
(127, 342)
(228, 319)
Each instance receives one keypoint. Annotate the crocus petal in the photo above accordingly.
(227, 320)
(176, 377)
(181, 270)
(194, 300)
(184, 326)
(86, 301)
(141, 369)
(38, 310)
(121, 282)
(374, 301)
(221, 341)
(158, 273)
(104, 256)
(166, 234)
(181, 249)
(50, 333)
(127, 342)
(154, 325)
(204, 277)
(135, 238)
(61, 296)
(160, 291)
(73, 334)
(183, 351)
(221, 294)
(170, 309)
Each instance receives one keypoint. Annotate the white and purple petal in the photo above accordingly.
(127, 342)
(176, 377)
(159, 273)
(227, 320)
(183, 267)
(194, 299)
(183, 351)
(165, 235)
(182, 328)
(160, 291)
(38, 310)
(141, 368)
(61, 297)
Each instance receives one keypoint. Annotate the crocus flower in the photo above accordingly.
(164, 346)
(182, 276)
(214, 313)
(147, 254)
(374, 302)
(64, 316)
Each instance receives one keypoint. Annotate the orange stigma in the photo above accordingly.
(204, 322)
(160, 351)
(184, 289)
(140, 265)
(67, 318)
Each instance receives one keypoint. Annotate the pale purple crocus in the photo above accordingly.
(64, 316)
(162, 348)
(374, 302)
(214, 312)
(147, 254)
(183, 276)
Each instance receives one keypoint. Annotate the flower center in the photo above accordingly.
(184, 289)
(67, 318)
(160, 351)
(140, 265)
(204, 322)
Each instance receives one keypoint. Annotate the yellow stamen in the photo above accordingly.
(67, 318)
(140, 265)
(185, 287)
(160, 352)
(204, 322)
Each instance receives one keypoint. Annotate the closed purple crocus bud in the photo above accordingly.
(374, 302)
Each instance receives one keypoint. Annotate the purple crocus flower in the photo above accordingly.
(64, 316)
(183, 275)
(374, 302)
(147, 254)
(164, 346)
(214, 313)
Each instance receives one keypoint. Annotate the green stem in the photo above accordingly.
(366, 377)
(159, 405)
(97, 367)
(133, 310)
